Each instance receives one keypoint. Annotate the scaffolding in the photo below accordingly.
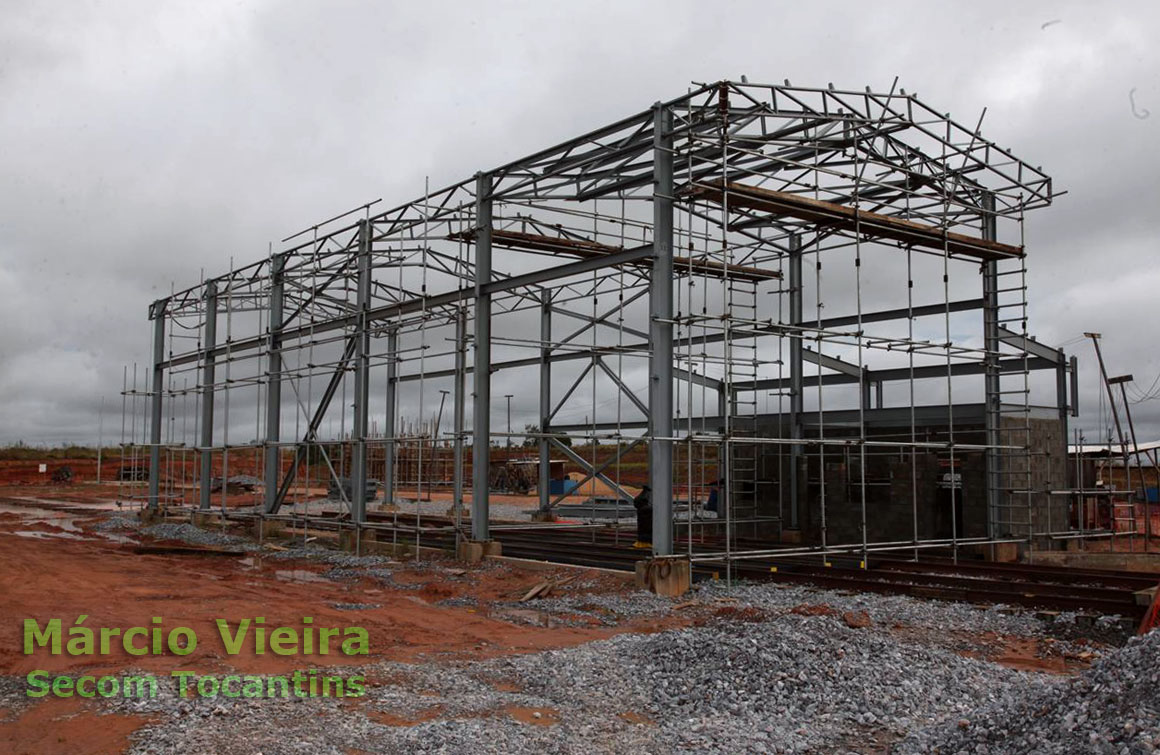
(718, 279)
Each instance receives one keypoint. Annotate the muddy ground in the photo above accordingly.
(60, 559)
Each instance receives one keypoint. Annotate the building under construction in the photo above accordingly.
(814, 300)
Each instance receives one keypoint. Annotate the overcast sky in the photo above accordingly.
(144, 142)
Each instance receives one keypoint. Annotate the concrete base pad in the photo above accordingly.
(1004, 553)
(670, 576)
(351, 542)
(268, 528)
(543, 516)
(206, 518)
(464, 512)
(474, 551)
(791, 536)
(150, 516)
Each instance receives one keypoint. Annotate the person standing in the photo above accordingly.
(643, 505)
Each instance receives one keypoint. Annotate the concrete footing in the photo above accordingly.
(1004, 553)
(150, 516)
(357, 541)
(207, 518)
(791, 536)
(264, 528)
(670, 576)
(543, 516)
(474, 551)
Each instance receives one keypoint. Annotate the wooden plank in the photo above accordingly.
(848, 218)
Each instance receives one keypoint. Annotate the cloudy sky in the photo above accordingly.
(142, 143)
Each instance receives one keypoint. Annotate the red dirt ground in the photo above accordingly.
(53, 577)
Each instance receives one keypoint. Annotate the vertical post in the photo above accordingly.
(207, 380)
(481, 375)
(274, 384)
(358, 476)
(100, 437)
(1073, 368)
(1061, 395)
(991, 379)
(1143, 483)
(796, 396)
(545, 395)
(158, 314)
(660, 388)
(389, 420)
(460, 405)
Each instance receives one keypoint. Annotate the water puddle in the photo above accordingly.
(123, 539)
(39, 515)
(42, 535)
(299, 575)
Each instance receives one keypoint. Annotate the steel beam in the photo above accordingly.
(481, 377)
(925, 372)
(585, 464)
(301, 454)
(1030, 345)
(660, 388)
(157, 387)
(598, 472)
(273, 452)
(702, 340)
(209, 340)
(362, 335)
(632, 397)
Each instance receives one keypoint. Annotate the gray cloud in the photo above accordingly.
(144, 143)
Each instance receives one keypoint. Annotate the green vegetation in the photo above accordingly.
(20, 451)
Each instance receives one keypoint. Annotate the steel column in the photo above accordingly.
(460, 404)
(207, 381)
(796, 368)
(389, 419)
(660, 388)
(158, 313)
(545, 396)
(481, 377)
(273, 472)
(358, 472)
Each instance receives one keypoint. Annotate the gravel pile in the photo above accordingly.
(797, 683)
(1113, 708)
(117, 522)
(187, 533)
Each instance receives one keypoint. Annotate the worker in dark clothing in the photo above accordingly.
(643, 505)
(714, 502)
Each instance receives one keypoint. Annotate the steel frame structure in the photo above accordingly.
(672, 257)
